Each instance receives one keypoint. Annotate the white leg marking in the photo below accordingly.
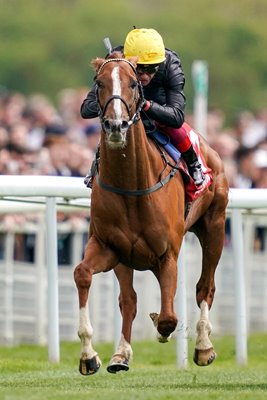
(117, 92)
(85, 333)
(125, 349)
(203, 328)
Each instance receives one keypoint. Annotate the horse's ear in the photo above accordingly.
(133, 60)
(97, 62)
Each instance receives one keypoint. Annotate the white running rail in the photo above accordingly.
(52, 191)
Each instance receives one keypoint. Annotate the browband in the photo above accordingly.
(116, 60)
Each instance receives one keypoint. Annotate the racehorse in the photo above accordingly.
(139, 218)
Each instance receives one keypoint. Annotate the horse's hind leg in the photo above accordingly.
(127, 302)
(210, 232)
(95, 256)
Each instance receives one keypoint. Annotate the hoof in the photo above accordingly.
(161, 338)
(90, 366)
(204, 358)
(118, 363)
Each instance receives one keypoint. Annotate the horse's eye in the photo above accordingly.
(99, 84)
(133, 85)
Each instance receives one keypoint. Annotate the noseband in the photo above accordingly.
(102, 110)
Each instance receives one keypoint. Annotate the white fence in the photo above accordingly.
(34, 308)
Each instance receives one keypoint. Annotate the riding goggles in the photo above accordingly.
(147, 68)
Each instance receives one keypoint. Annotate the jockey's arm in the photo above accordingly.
(89, 108)
(166, 115)
(171, 113)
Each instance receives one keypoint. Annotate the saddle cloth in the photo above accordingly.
(192, 191)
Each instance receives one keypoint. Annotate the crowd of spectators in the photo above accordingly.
(40, 138)
(243, 149)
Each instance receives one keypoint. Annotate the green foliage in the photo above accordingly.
(26, 374)
(47, 45)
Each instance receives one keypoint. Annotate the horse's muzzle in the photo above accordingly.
(116, 132)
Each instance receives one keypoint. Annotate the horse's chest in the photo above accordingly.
(140, 246)
(138, 232)
(141, 251)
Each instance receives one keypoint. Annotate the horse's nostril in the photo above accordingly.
(124, 125)
(106, 124)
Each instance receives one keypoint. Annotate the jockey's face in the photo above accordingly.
(146, 73)
(145, 78)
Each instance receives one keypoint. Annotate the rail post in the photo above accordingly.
(240, 296)
(52, 276)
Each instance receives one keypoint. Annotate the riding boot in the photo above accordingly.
(88, 180)
(194, 166)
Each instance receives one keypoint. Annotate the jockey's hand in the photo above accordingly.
(160, 126)
(146, 105)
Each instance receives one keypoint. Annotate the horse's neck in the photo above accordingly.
(130, 167)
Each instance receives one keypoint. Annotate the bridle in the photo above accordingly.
(132, 120)
(139, 98)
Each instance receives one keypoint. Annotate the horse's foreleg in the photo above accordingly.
(89, 360)
(211, 237)
(96, 259)
(127, 302)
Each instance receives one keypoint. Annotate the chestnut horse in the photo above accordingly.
(138, 219)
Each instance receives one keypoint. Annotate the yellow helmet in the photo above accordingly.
(146, 44)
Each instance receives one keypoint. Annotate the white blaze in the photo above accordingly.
(117, 92)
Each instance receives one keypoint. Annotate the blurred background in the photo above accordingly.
(46, 47)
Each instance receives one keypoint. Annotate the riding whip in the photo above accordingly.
(108, 45)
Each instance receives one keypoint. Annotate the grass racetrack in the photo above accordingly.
(25, 373)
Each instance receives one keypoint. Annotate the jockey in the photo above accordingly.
(161, 75)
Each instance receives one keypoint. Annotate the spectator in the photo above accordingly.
(215, 124)
(92, 133)
(247, 173)
(79, 157)
(260, 160)
(225, 144)
(251, 129)
(57, 146)
(3, 137)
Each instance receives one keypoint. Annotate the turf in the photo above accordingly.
(26, 374)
